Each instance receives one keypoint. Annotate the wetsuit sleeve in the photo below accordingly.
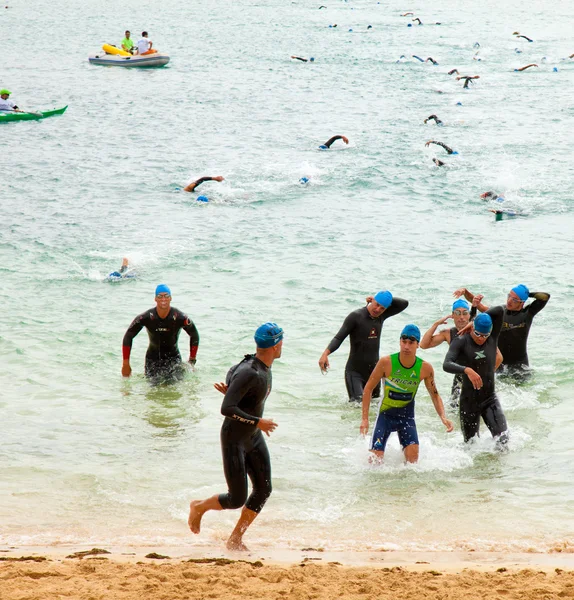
(450, 365)
(332, 140)
(346, 328)
(238, 388)
(397, 306)
(136, 326)
(201, 180)
(540, 301)
(191, 330)
(473, 311)
(497, 315)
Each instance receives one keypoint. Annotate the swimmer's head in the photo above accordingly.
(488, 195)
(323, 147)
(311, 59)
(410, 338)
(460, 313)
(269, 335)
(162, 296)
(517, 297)
(304, 180)
(481, 328)
(202, 199)
(381, 301)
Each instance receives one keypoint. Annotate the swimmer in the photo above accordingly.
(363, 327)
(433, 118)
(526, 67)
(303, 59)
(163, 324)
(402, 373)
(432, 60)
(438, 162)
(418, 21)
(467, 79)
(453, 71)
(473, 354)
(330, 141)
(571, 56)
(408, 14)
(517, 320)
(322, 6)
(418, 57)
(123, 271)
(244, 450)
(191, 187)
(522, 36)
(449, 150)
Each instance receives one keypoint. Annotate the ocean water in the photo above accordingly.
(86, 456)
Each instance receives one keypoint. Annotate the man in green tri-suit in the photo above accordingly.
(402, 373)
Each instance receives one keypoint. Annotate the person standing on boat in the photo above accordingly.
(5, 104)
(128, 43)
(145, 45)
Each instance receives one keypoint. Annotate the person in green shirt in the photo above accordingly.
(128, 43)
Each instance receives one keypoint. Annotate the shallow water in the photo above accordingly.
(87, 456)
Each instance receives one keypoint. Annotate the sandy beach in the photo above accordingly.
(34, 573)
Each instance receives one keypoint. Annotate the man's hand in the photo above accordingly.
(218, 178)
(220, 387)
(448, 424)
(460, 292)
(324, 362)
(126, 369)
(477, 300)
(443, 321)
(474, 377)
(465, 329)
(369, 299)
(192, 361)
(267, 425)
(346, 140)
(364, 429)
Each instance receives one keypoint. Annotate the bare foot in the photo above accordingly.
(236, 545)
(195, 514)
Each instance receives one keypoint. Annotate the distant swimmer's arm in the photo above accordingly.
(427, 373)
(435, 118)
(430, 340)
(525, 37)
(299, 58)
(571, 56)
(418, 20)
(382, 369)
(526, 67)
(346, 328)
(135, 327)
(330, 141)
(438, 162)
(443, 145)
(432, 60)
(191, 187)
(453, 71)
(408, 14)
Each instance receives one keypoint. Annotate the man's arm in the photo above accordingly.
(135, 327)
(346, 328)
(381, 370)
(470, 297)
(191, 187)
(238, 388)
(450, 364)
(190, 328)
(540, 301)
(397, 306)
(497, 315)
(442, 144)
(427, 373)
(499, 359)
(330, 141)
(430, 340)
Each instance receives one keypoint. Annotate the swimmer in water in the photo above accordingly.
(408, 14)
(522, 36)
(418, 21)
(492, 196)
(438, 162)
(122, 272)
(164, 324)
(402, 373)
(447, 148)
(467, 79)
(191, 187)
(433, 118)
(330, 141)
(526, 67)
(303, 59)
(363, 327)
(244, 450)
(453, 71)
(432, 60)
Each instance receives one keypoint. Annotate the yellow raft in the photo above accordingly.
(108, 49)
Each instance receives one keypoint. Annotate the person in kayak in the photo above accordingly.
(6, 105)
(128, 43)
(245, 453)
(191, 186)
(163, 323)
(145, 45)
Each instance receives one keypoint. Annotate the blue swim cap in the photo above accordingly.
(555, 69)
(454, 152)
(483, 323)
(459, 103)
(521, 291)
(460, 303)
(311, 59)
(410, 25)
(384, 298)
(115, 274)
(162, 289)
(323, 147)
(304, 180)
(500, 199)
(412, 331)
(268, 335)
(350, 30)
(202, 199)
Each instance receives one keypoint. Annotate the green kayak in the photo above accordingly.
(16, 116)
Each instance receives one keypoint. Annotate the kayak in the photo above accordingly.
(116, 60)
(16, 116)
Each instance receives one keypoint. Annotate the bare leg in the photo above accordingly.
(235, 541)
(412, 453)
(376, 457)
(197, 508)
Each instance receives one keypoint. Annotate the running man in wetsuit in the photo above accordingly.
(330, 141)
(191, 187)
(163, 324)
(402, 373)
(242, 443)
(517, 320)
(364, 328)
(474, 356)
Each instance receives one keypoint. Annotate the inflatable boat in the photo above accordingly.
(115, 57)
(35, 116)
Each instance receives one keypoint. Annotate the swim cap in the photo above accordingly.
(483, 323)
(162, 289)
(311, 59)
(460, 303)
(521, 291)
(459, 103)
(115, 274)
(555, 69)
(384, 298)
(304, 180)
(412, 331)
(350, 30)
(454, 152)
(410, 25)
(268, 335)
(202, 199)
(323, 147)
(2, 92)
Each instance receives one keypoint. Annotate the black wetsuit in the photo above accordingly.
(242, 444)
(513, 338)
(457, 380)
(162, 359)
(365, 334)
(465, 352)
